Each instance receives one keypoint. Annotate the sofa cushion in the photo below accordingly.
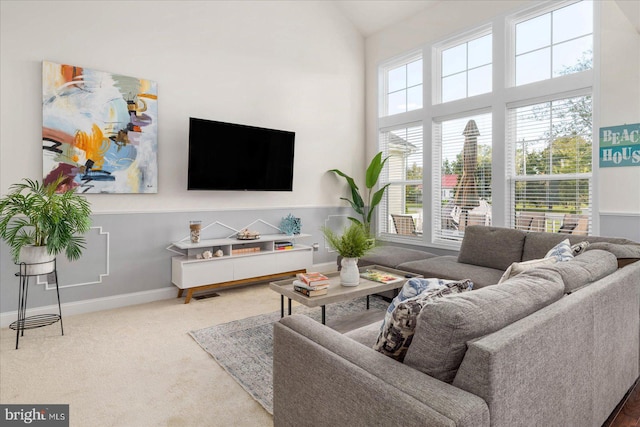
(448, 267)
(397, 333)
(561, 252)
(520, 267)
(491, 247)
(537, 244)
(625, 253)
(392, 256)
(585, 268)
(447, 324)
(366, 335)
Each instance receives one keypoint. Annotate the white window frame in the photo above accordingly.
(383, 83)
(465, 37)
(503, 94)
(530, 13)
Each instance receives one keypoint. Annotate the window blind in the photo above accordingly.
(400, 211)
(550, 165)
(462, 175)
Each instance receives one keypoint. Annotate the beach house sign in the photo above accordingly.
(620, 146)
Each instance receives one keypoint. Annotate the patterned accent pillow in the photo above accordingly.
(579, 248)
(412, 288)
(397, 334)
(562, 251)
(520, 267)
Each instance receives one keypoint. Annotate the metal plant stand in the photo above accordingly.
(39, 320)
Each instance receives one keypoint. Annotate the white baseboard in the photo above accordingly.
(96, 304)
(117, 301)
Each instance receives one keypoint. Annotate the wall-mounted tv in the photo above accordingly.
(228, 156)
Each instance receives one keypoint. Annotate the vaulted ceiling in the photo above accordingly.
(371, 16)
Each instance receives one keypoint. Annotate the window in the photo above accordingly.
(550, 145)
(497, 88)
(553, 44)
(463, 191)
(403, 87)
(466, 69)
(401, 208)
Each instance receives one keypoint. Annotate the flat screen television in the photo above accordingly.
(228, 156)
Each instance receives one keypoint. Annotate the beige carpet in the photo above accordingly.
(136, 366)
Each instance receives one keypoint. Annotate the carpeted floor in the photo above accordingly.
(136, 366)
(244, 348)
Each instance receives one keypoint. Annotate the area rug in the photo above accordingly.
(244, 348)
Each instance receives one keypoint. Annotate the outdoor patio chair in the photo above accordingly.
(404, 224)
(575, 224)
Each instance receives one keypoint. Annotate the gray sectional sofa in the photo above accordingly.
(556, 345)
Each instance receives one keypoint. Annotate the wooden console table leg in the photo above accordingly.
(189, 294)
(180, 293)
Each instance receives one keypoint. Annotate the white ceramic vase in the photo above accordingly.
(349, 274)
(37, 260)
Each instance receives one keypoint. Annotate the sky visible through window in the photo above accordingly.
(404, 88)
(552, 44)
(466, 69)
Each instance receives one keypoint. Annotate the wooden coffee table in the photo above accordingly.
(337, 292)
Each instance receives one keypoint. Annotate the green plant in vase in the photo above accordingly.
(373, 198)
(37, 220)
(352, 244)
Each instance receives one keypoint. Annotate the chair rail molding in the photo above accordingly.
(91, 256)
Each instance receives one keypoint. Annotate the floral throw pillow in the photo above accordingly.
(412, 288)
(562, 251)
(397, 333)
(579, 248)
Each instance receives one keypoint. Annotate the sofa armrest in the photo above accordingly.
(321, 377)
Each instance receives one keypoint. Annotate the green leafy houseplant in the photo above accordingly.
(354, 242)
(372, 198)
(34, 214)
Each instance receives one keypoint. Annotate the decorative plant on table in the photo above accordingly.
(373, 198)
(35, 219)
(352, 244)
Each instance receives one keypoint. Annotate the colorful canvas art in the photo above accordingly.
(99, 130)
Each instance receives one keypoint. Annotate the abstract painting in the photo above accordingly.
(99, 130)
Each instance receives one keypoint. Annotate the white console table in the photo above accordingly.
(242, 261)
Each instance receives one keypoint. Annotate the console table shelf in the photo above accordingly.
(261, 261)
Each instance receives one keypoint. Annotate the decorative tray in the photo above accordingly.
(247, 237)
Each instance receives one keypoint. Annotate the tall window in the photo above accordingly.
(466, 69)
(507, 118)
(401, 209)
(403, 87)
(551, 146)
(553, 44)
(463, 148)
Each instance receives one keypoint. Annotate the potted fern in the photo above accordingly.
(38, 223)
(352, 244)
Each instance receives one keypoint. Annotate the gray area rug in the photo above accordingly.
(244, 348)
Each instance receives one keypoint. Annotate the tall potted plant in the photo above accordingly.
(373, 198)
(38, 223)
(352, 244)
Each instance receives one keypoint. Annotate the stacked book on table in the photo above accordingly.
(311, 284)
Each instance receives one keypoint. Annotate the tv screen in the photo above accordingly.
(228, 156)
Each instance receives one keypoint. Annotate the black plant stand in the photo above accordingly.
(39, 320)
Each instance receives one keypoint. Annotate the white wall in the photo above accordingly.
(286, 65)
(619, 188)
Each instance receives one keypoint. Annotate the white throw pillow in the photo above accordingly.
(562, 251)
(519, 267)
